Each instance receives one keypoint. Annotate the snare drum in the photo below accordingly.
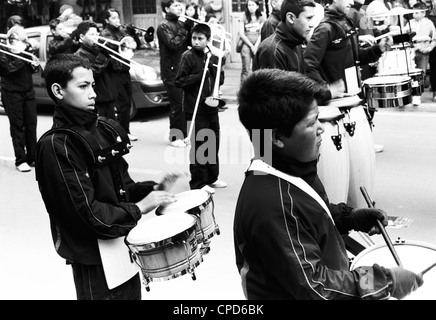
(388, 91)
(417, 75)
(362, 155)
(165, 247)
(415, 256)
(198, 203)
(333, 166)
(397, 59)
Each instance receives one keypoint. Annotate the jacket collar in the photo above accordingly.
(70, 116)
(304, 170)
(289, 35)
(171, 16)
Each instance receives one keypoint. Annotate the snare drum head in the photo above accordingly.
(415, 256)
(386, 80)
(185, 201)
(160, 228)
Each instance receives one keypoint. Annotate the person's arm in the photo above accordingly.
(315, 51)
(187, 75)
(172, 40)
(242, 34)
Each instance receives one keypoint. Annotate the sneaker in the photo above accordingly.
(208, 189)
(24, 167)
(218, 184)
(132, 137)
(378, 148)
(178, 143)
(416, 100)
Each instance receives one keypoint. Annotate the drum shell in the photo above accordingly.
(417, 76)
(167, 258)
(362, 159)
(397, 59)
(333, 165)
(414, 256)
(388, 94)
(203, 210)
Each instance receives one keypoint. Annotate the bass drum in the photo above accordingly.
(414, 256)
(333, 165)
(361, 155)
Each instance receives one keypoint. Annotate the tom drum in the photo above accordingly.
(388, 91)
(165, 247)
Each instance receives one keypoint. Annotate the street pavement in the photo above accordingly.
(30, 269)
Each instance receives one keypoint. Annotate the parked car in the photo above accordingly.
(148, 90)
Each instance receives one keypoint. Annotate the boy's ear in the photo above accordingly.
(57, 91)
(276, 139)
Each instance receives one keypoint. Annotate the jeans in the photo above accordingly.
(247, 61)
(124, 86)
(91, 284)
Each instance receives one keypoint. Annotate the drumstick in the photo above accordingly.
(427, 269)
(382, 229)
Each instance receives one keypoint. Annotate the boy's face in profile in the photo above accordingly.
(90, 37)
(79, 92)
(199, 41)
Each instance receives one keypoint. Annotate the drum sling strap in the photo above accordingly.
(101, 156)
(115, 256)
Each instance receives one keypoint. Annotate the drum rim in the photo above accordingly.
(405, 80)
(415, 243)
(209, 199)
(191, 225)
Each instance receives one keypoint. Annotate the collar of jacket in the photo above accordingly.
(94, 49)
(289, 35)
(332, 13)
(304, 170)
(171, 16)
(71, 116)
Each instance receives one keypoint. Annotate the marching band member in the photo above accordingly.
(173, 34)
(113, 31)
(105, 84)
(84, 181)
(18, 96)
(287, 236)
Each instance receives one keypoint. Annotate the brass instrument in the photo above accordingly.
(211, 25)
(16, 50)
(197, 102)
(215, 100)
(126, 47)
(148, 34)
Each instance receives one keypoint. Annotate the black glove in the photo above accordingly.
(404, 282)
(365, 220)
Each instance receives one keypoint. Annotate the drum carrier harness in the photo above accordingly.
(101, 156)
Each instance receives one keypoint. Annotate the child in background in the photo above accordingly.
(424, 41)
(205, 140)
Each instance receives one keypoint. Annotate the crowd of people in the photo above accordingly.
(288, 237)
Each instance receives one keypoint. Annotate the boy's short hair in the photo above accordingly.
(59, 69)
(84, 26)
(166, 4)
(276, 99)
(202, 28)
(294, 6)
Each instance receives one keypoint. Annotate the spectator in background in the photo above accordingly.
(249, 32)
(215, 8)
(432, 57)
(273, 20)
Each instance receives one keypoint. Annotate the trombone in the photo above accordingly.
(212, 26)
(32, 58)
(121, 55)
